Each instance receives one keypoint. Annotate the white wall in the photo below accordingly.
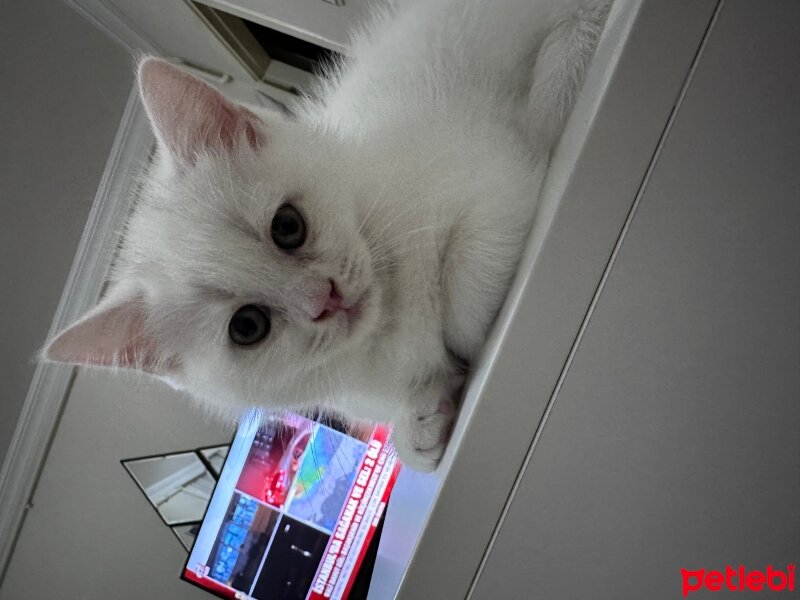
(64, 89)
(673, 442)
(91, 534)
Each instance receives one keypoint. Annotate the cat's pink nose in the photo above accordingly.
(332, 305)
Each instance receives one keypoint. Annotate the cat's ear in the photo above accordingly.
(190, 117)
(111, 335)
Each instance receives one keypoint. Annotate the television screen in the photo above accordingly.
(295, 508)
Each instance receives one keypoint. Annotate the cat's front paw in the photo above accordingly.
(420, 436)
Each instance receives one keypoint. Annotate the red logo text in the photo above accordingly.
(738, 580)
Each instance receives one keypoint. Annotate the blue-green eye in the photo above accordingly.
(288, 228)
(249, 325)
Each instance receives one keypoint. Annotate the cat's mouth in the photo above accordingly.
(350, 313)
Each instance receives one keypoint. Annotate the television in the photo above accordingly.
(297, 504)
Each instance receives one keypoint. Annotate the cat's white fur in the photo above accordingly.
(417, 171)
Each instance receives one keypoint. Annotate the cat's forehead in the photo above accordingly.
(291, 163)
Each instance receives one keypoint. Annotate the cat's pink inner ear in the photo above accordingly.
(190, 117)
(110, 336)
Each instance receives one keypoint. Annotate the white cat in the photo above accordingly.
(352, 258)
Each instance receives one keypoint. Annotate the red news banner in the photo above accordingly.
(358, 520)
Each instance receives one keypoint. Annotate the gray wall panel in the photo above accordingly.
(64, 90)
(675, 439)
(91, 533)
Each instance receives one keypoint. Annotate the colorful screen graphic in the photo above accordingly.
(294, 510)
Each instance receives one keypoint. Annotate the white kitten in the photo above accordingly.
(353, 258)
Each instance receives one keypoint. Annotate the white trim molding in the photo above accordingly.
(106, 17)
(50, 385)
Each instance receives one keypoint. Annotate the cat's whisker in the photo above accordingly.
(372, 207)
(321, 432)
(389, 252)
(407, 210)
(388, 244)
(377, 201)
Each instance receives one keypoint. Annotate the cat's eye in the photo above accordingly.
(249, 325)
(288, 228)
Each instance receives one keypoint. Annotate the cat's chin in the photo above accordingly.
(357, 321)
